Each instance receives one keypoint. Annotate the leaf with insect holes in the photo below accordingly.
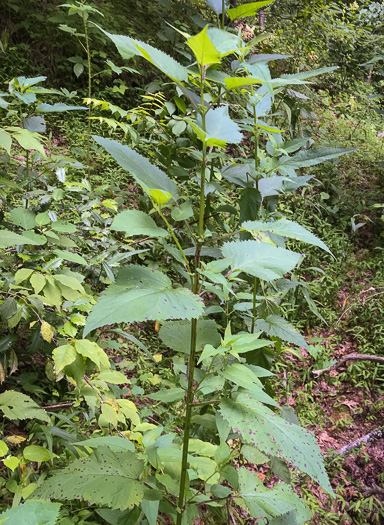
(16, 405)
(47, 331)
(259, 426)
(104, 478)
(286, 228)
(271, 503)
(141, 294)
(32, 513)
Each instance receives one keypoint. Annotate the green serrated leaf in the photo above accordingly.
(32, 513)
(261, 427)
(140, 294)
(177, 335)
(135, 222)
(168, 396)
(271, 503)
(286, 228)
(205, 52)
(277, 326)
(16, 405)
(129, 47)
(146, 174)
(104, 478)
(249, 9)
(260, 259)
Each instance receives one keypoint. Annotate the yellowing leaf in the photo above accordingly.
(160, 196)
(3, 448)
(205, 52)
(158, 358)
(15, 440)
(47, 331)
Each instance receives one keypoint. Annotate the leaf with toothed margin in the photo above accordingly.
(32, 513)
(104, 478)
(140, 294)
(261, 427)
(129, 47)
(260, 259)
(280, 505)
(149, 176)
(286, 228)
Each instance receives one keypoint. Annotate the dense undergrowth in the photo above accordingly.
(104, 250)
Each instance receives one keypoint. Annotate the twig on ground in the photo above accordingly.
(350, 357)
(375, 434)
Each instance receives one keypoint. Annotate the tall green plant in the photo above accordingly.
(214, 305)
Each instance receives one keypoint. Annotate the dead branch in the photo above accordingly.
(375, 434)
(350, 357)
(371, 491)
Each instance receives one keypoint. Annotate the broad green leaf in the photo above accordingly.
(63, 356)
(135, 222)
(241, 375)
(249, 9)
(38, 281)
(113, 376)
(129, 47)
(35, 124)
(89, 349)
(36, 453)
(260, 259)
(3, 448)
(217, 5)
(182, 212)
(224, 41)
(276, 326)
(70, 256)
(63, 227)
(205, 52)
(220, 129)
(311, 157)
(35, 237)
(5, 141)
(146, 174)
(23, 82)
(32, 513)
(23, 217)
(58, 108)
(160, 197)
(271, 503)
(261, 427)
(12, 462)
(16, 405)
(115, 443)
(248, 342)
(22, 275)
(28, 140)
(140, 294)
(168, 396)
(309, 74)
(177, 335)
(286, 228)
(103, 478)
(151, 510)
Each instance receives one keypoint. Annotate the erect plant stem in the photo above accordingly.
(89, 96)
(192, 354)
(254, 304)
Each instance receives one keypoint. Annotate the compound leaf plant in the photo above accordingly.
(230, 254)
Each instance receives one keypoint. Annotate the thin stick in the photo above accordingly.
(378, 433)
(350, 357)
